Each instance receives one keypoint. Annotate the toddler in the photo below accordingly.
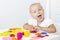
(39, 22)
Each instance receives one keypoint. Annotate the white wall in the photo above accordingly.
(16, 12)
(55, 13)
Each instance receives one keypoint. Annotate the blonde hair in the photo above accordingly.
(33, 5)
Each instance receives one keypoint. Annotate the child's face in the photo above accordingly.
(37, 12)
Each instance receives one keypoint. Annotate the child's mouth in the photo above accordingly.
(39, 16)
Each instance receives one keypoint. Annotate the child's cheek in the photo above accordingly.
(35, 15)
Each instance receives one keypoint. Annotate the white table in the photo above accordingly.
(50, 37)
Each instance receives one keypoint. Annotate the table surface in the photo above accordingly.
(50, 37)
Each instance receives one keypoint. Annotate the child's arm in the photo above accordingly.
(50, 29)
(28, 27)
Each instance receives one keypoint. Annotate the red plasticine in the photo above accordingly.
(46, 35)
(34, 31)
(12, 35)
(19, 39)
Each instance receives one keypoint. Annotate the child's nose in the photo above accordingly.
(38, 12)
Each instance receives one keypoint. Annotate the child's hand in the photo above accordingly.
(37, 27)
(33, 29)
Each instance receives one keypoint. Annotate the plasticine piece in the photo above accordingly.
(44, 33)
(23, 33)
(33, 31)
(6, 33)
(19, 30)
(38, 34)
(1, 34)
(19, 35)
(13, 38)
(6, 38)
(14, 32)
(19, 39)
(26, 33)
(12, 35)
(12, 29)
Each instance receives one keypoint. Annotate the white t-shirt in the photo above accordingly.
(45, 23)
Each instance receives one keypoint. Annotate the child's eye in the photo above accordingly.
(39, 9)
(34, 11)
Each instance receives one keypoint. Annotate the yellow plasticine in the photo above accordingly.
(13, 32)
(6, 33)
(1, 34)
(26, 33)
(19, 30)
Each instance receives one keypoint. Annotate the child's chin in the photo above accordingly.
(39, 19)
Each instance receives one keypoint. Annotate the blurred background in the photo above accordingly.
(15, 13)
